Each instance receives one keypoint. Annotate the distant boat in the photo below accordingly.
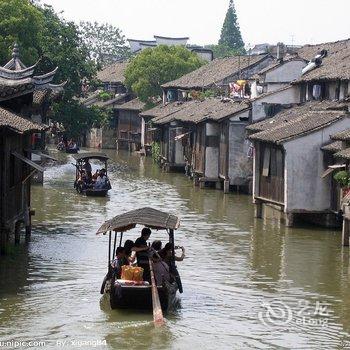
(84, 183)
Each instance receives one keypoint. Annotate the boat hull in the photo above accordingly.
(140, 297)
(96, 193)
(72, 151)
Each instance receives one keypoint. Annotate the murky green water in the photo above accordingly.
(236, 267)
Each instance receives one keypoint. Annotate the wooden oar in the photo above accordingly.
(158, 318)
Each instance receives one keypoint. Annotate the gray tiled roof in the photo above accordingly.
(113, 73)
(215, 71)
(295, 112)
(133, 105)
(197, 111)
(345, 154)
(341, 136)
(295, 122)
(333, 147)
(163, 110)
(18, 124)
(335, 66)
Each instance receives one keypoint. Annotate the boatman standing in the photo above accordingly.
(142, 253)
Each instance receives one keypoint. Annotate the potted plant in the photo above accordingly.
(343, 179)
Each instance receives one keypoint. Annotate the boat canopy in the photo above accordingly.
(148, 217)
(91, 155)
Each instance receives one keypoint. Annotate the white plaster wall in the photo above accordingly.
(288, 96)
(134, 45)
(171, 41)
(288, 72)
(212, 153)
(275, 86)
(143, 131)
(304, 188)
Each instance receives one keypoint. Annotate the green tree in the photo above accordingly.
(76, 118)
(63, 47)
(230, 33)
(106, 43)
(221, 51)
(20, 22)
(155, 66)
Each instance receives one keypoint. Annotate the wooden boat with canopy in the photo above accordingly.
(89, 189)
(124, 295)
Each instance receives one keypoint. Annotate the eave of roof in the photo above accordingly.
(18, 124)
(295, 122)
(198, 111)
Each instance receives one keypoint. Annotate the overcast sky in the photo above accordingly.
(289, 21)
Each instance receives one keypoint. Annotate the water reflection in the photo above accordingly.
(234, 264)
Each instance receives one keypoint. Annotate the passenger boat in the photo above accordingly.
(61, 147)
(124, 294)
(90, 190)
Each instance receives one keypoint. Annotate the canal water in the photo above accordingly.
(248, 283)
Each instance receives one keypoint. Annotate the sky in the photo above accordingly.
(261, 21)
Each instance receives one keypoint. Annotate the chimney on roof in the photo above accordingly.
(280, 51)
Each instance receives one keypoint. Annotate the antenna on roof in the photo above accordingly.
(249, 55)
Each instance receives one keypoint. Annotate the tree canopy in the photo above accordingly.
(106, 43)
(43, 34)
(231, 34)
(23, 23)
(63, 47)
(221, 51)
(155, 66)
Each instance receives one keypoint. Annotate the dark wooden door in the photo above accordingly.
(272, 173)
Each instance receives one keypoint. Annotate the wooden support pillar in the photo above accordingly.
(28, 234)
(289, 219)
(28, 227)
(346, 232)
(3, 241)
(226, 186)
(258, 210)
(17, 233)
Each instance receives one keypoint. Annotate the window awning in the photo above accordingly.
(43, 155)
(331, 169)
(28, 161)
(179, 137)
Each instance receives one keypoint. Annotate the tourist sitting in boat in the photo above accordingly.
(119, 261)
(161, 271)
(160, 267)
(72, 144)
(167, 252)
(95, 176)
(130, 255)
(156, 247)
(82, 179)
(142, 249)
(102, 180)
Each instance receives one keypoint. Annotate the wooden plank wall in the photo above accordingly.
(271, 172)
(224, 149)
(199, 149)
